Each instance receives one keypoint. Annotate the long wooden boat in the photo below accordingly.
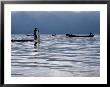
(70, 35)
(22, 40)
(29, 35)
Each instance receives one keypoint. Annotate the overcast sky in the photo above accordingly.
(59, 22)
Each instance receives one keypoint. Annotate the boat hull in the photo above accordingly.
(79, 36)
(22, 40)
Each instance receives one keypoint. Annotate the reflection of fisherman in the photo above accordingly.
(36, 36)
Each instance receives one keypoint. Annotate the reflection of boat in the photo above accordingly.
(70, 35)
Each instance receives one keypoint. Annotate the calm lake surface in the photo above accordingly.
(56, 56)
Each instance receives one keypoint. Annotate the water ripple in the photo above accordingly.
(56, 56)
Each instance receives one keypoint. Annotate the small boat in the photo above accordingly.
(70, 35)
(22, 40)
(29, 35)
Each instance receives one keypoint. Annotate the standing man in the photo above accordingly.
(36, 36)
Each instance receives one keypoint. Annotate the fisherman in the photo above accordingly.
(36, 36)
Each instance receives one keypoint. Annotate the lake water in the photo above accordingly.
(56, 56)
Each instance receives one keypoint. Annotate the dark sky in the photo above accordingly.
(59, 22)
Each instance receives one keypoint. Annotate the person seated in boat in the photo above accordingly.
(91, 34)
(67, 34)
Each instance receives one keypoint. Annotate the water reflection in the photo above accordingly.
(36, 47)
(56, 56)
